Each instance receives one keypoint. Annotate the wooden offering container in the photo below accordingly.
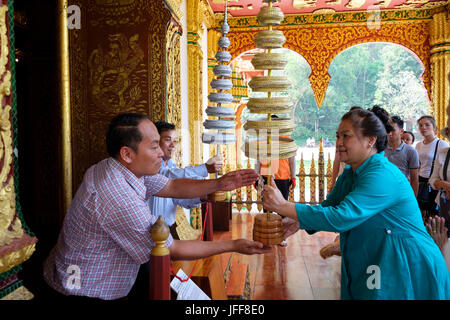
(217, 196)
(268, 229)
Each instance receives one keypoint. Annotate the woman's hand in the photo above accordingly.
(436, 228)
(290, 226)
(272, 198)
(273, 201)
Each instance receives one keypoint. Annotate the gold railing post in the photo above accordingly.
(312, 179)
(159, 265)
(329, 174)
(301, 179)
(321, 173)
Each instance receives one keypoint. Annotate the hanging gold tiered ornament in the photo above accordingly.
(223, 116)
(265, 139)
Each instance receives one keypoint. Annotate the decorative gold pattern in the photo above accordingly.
(319, 45)
(440, 57)
(195, 58)
(173, 84)
(335, 19)
(20, 293)
(301, 179)
(175, 8)
(312, 179)
(130, 38)
(15, 258)
(10, 225)
(321, 173)
(184, 229)
(329, 174)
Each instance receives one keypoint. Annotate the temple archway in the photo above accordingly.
(319, 45)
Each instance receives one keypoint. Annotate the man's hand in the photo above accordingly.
(249, 247)
(214, 165)
(237, 179)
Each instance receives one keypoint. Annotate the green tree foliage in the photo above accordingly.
(363, 75)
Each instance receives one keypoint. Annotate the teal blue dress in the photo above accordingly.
(386, 251)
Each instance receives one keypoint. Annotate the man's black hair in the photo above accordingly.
(123, 131)
(164, 126)
(398, 121)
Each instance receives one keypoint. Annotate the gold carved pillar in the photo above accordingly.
(439, 59)
(195, 58)
(17, 243)
(199, 13)
(173, 85)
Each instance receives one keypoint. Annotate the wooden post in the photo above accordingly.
(208, 219)
(159, 275)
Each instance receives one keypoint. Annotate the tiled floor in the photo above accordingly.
(296, 272)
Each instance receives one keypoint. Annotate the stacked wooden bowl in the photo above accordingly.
(266, 136)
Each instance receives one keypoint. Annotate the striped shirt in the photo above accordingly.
(106, 233)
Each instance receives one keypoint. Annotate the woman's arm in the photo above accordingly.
(370, 196)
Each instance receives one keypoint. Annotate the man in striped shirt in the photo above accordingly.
(106, 232)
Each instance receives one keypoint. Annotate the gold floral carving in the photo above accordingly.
(173, 86)
(175, 8)
(320, 45)
(19, 294)
(115, 74)
(117, 63)
(17, 257)
(440, 57)
(195, 74)
(10, 225)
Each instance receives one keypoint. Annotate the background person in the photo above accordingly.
(374, 208)
(408, 137)
(402, 155)
(428, 149)
(167, 207)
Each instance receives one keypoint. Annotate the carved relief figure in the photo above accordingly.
(110, 73)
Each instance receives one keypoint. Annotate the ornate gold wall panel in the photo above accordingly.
(173, 86)
(319, 45)
(195, 19)
(117, 64)
(16, 246)
(175, 7)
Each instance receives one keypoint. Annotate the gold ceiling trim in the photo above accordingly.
(294, 20)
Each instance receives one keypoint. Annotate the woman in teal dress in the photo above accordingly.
(386, 251)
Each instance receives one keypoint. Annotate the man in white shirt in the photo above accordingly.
(167, 207)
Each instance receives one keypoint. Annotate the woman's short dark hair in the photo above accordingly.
(164, 126)
(371, 124)
(123, 131)
(412, 135)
